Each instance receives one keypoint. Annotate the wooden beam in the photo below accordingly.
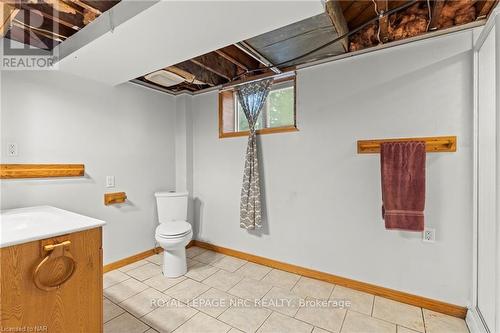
(46, 24)
(231, 59)
(8, 13)
(73, 21)
(484, 8)
(383, 7)
(216, 64)
(437, 8)
(334, 11)
(249, 50)
(364, 16)
(238, 57)
(47, 35)
(62, 6)
(89, 13)
(355, 10)
(28, 37)
(100, 5)
(85, 6)
(200, 73)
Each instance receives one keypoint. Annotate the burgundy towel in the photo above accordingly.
(402, 165)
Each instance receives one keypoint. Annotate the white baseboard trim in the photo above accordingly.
(474, 322)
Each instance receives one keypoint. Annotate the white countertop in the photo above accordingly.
(28, 224)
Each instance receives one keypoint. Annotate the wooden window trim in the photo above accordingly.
(272, 130)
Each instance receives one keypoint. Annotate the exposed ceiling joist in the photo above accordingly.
(383, 7)
(74, 21)
(334, 11)
(257, 56)
(85, 6)
(55, 5)
(55, 28)
(39, 32)
(216, 64)
(232, 59)
(8, 13)
(31, 38)
(200, 73)
(367, 14)
(437, 8)
(237, 57)
(484, 8)
(354, 9)
(100, 5)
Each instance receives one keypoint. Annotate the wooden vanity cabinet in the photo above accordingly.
(74, 306)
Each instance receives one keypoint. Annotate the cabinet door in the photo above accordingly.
(76, 306)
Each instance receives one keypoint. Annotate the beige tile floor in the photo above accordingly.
(220, 293)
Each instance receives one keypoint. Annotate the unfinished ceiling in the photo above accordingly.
(46, 23)
(283, 49)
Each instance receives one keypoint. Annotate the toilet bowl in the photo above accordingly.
(173, 233)
(174, 244)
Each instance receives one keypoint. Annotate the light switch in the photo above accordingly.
(110, 181)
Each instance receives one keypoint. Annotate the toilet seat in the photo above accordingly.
(175, 229)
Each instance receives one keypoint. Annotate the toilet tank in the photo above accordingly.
(172, 206)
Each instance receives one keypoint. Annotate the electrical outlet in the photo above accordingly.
(12, 149)
(110, 181)
(429, 235)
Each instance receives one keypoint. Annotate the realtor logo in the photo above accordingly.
(25, 45)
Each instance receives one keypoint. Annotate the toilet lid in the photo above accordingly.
(176, 228)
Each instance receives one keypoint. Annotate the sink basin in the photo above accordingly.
(23, 225)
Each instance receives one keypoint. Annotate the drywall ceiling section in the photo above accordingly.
(118, 14)
(170, 32)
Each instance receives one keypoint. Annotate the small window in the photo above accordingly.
(278, 114)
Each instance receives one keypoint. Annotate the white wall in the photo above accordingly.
(125, 131)
(184, 149)
(322, 199)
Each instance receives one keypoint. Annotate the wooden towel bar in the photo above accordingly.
(12, 171)
(435, 144)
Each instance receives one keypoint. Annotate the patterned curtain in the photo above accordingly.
(252, 97)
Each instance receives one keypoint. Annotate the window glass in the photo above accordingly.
(278, 111)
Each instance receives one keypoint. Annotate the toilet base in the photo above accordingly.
(174, 263)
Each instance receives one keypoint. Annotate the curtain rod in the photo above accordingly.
(232, 85)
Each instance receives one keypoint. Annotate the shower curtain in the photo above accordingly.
(252, 97)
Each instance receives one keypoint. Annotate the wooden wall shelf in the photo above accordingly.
(13, 171)
(435, 144)
(114, 198)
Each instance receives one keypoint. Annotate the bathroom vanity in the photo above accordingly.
(51, 271)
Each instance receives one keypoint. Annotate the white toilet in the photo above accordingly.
(174, 232)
